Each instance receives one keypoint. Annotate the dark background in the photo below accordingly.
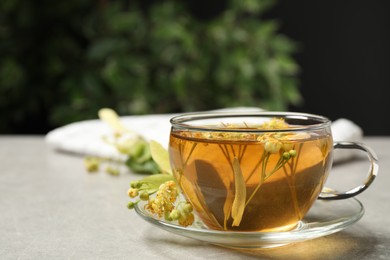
(344, 56)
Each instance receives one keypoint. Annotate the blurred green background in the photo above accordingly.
(60, 61)
(63, 60)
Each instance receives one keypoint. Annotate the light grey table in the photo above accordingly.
(50, 208)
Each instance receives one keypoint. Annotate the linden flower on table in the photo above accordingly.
(160, 191)
(133, 149)
(166, 202)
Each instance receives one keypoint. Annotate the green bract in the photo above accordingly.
(161, 157)
(112, 119)
(240, 193)
(154, 181)
(130, 144)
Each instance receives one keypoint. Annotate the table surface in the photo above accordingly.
(51, 208)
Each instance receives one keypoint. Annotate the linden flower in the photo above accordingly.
(287, 146)
(272, 145)
(92, 164)
(164, 200)
(186, 220)
(132, 193)
(126, 145)
(112, 170)
(275, 123)
(273, 142)
(264, 138)
(294, 136)
(164, 205)
(288, 139)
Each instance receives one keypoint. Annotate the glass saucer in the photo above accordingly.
(324, 218)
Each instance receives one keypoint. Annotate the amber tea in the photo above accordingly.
(248, 175)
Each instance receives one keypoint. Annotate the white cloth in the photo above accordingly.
(346, 130)
(85, 137)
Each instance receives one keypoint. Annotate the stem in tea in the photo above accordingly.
(233, 152)
(291, 184)
(225, 152)
(291, 181)
(189, 155)
(298, 153)
(255, 168)
(241, 152)
(264, 160)
(184, 164)
(264, 176)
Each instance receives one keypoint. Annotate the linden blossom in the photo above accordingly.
(132, 147)
(166, 201)
(273, 124)
(164, 205)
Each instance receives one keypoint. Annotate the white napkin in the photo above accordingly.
(345, 130)
(85, 137)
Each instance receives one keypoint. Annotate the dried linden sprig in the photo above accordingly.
(164, 205)
(92, 164)
(166, 201)
(134, 148)
(273, 124)
(142, 189)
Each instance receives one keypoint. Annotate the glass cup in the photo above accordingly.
(257, 171)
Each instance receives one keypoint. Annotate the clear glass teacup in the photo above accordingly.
(257, 171)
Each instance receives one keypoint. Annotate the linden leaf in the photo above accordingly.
(154, 181)
(227, 207)
(240, 193)
(160, 156)
(112, 119)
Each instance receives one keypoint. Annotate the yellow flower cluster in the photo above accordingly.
(164, 201)
(164, 205)
(273, 142)
(92, 164)
(274, 123)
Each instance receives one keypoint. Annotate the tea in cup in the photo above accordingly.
(255, 171)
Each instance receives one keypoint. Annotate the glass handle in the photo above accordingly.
(329, 194)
